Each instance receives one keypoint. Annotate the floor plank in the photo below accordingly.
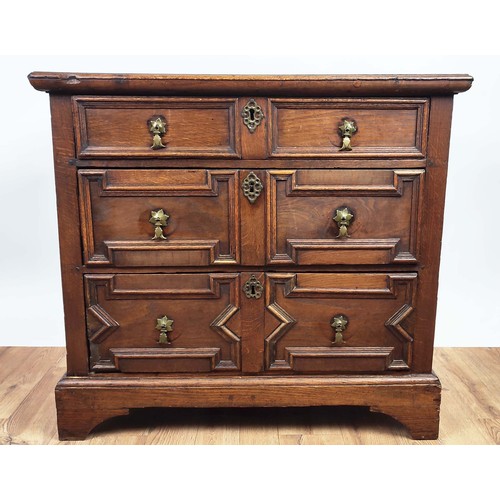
(466, 399)
(259, 426)
(217, 428)
(470, 411)
(27, 380)
(26, 426)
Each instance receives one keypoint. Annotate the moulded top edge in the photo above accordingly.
(258, 85)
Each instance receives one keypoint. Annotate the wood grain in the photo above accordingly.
(470, 410)
(254, 144)
(70, 246)
(300, 308)
(252, 334)
(255, 85)
(431, 215)
(122, 312)
(301, 205)
(309, 128)
(270, 163)
(384, 277)
(115, 127)
(203, 226)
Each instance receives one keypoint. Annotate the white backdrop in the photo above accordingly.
(30, 295)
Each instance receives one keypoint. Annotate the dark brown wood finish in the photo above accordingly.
(252, 331)
(253, 228)
(301, 307)
(69, 235)
(203, 226)
(302, 204)
(270, 163)
(119, 127)
(385, 127)
(432, 216)
(83, 403)
(254, 85)
(122, 313)
(275, 348)
(254, 144)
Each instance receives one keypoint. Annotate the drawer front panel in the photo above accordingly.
(201, 217)
(384, 127)
(382, 229)
(201, 332)
(108, 127)
(375, 330)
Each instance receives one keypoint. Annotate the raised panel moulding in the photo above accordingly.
(166, 360)
(332, 251)
(173, 252)
(395, 284)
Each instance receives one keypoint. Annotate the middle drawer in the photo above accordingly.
(159, 217)
(163, 217)
(351, 217)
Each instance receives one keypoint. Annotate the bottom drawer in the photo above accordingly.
(339, 322)
(302, 323)
(163, 323)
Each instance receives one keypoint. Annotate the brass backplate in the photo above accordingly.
(343, 217)
(339, 324)
(158, 127)
(252, 115)
(252, 187)
(159, 219)
(253, 288)
(347, 129)
(164, 325)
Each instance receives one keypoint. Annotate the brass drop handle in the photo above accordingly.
(339, 324)
(159, 219)
(164, 325)
(347, 130)
(158, 127)
(343, 217)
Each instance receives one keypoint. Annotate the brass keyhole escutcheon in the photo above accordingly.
(252, 115)
(253, 288)
(343, 217)
(339, 324)
(159, 219)
(252, 187)
(164, 325)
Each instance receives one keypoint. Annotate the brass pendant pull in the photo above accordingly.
(159, 219)
(347, 130)
(252, 187)
(164, 325)
(253, 288)
(252, 115)
(339, 324)
(158, 128)
(343, 217)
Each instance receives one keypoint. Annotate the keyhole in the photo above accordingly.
(253, 288)
(252, 114)
(251, 187)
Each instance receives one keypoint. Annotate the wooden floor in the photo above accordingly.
(470, 410)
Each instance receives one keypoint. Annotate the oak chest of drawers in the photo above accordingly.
(249, 241)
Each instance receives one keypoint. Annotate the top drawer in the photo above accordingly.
(387, 128)
(109, 127)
